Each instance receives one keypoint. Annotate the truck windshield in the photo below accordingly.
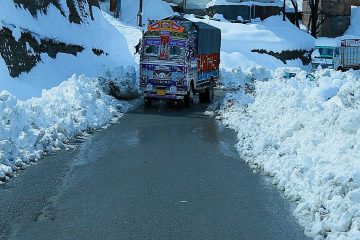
(176, 51)
(151, 50)
(326, 52)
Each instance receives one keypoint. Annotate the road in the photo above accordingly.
(159, 173)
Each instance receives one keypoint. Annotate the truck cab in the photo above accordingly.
(341, 53)
(326, 57)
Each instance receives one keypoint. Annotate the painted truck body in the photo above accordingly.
(339, 54)
(179, 58)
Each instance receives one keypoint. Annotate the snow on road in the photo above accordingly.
(306, 135)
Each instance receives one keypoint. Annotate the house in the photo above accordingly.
(245, 10)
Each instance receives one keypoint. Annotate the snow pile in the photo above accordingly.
(306, 135)
(354, 28)
(32, 128)
(236, 78)
(273, 34)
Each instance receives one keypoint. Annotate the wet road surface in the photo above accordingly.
(158, 173)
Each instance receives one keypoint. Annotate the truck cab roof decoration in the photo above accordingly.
(166, 25)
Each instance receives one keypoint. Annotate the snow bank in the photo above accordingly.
(236, 78)
(32, 128)
(273, 34)
(306, 135)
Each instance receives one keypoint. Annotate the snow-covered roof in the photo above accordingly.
(334, 42)
(244, 3)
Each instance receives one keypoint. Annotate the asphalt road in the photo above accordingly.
(159, 173)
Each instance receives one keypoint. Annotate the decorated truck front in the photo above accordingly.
(174, 64)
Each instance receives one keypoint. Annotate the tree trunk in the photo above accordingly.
(314, 18)
(284, 10)
(296, 9)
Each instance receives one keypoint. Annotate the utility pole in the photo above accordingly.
(184, 5)
(139, 16)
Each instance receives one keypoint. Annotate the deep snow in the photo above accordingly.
(273, 34)
(32, 128)
(305, 134)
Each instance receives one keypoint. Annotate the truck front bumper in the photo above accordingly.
(168, 96)
(323, 65)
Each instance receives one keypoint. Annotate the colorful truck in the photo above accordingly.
(179, 58)
(340, 53)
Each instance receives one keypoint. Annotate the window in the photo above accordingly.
(337, 51)
(326, 52)
(176, 51)
(152, 50)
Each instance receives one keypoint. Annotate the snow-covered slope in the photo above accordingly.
(273, 34)
(50, 47)
(152, 9)
(354, 28)
(305, 134)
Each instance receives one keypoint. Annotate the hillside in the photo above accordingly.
(40, 56)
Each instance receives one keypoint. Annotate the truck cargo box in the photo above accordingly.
(209, 38)
(350, 52)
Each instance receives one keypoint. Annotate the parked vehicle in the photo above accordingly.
(340, 54)
(179, 58)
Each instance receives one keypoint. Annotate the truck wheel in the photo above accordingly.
(189, 98)
(208, 95)
(340, 69)
(147, 102)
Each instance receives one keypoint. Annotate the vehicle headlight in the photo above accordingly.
(149, 87)
(173, 89)
(180, 81)
(144, 79)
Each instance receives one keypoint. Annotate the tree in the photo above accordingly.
(296, 9)
(315, 21)
(284, 10)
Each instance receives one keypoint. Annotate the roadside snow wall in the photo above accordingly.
(306, 135)
(29, 129)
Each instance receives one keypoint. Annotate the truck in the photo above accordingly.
(179, 58)
(339, 54)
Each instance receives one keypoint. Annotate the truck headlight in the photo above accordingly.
(143, 79)
(149, 87)
(180, 82)
(173, 89)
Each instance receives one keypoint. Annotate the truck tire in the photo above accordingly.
(189, 98)
(340, 69)
(147, 102)
(208, 95)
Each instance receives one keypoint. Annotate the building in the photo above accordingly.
(247, 10)
(334, 16)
